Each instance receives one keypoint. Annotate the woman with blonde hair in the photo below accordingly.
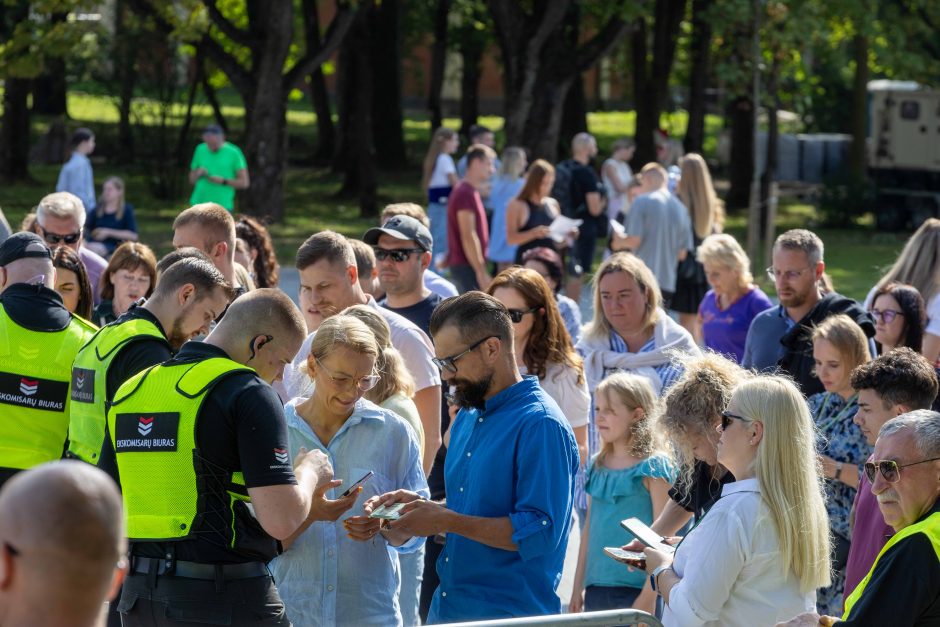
(919, 265)
(733, 301)
(697, 193)
(763, 549)
(112, 222)
(438, 177)
(362, 440)
(839, 346)
(529, 214)
(505, 186)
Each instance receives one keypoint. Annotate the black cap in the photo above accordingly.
(22, 245)
(401, 227)
(213, 129)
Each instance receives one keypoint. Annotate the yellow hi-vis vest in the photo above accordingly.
(152, 425)
(34, 390)
(930, 527)
(88, 389)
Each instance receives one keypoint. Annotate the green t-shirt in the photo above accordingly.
(225, 162)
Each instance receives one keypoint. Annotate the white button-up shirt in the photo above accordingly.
(730, 568)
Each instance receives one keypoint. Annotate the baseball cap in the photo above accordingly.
(22, 245)
(401, 227)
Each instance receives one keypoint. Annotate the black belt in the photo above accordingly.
(195, 570)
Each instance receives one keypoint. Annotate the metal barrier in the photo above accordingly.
(606, 618)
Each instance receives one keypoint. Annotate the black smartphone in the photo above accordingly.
(350, 489)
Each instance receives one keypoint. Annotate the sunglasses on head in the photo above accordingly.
(516, 315)
(398, 255)
(55, 238)
(727, 417)
(890, 469)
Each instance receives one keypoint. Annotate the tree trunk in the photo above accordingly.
(387, 115)
(326, 132)
(49, 89)
(213, 99)
(14, 131)
(574, 115)
(471, 53)
(857, 156)
(438, 62)
(699, 74)
(741, 168)
(126, 78)
(773, 136)
(647, 117)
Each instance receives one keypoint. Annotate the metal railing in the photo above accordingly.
(607, 618)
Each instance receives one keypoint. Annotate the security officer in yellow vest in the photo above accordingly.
(902, 589)
(39, 339)
(188, 296)
(208, 484)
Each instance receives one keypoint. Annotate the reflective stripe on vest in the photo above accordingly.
(88, 386)
(152, 425)
(930, 526)
(34, 384)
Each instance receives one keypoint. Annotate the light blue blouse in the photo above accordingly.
(325, 578)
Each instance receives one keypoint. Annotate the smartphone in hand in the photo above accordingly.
(647, 536)
(350, 489)
(631, 558)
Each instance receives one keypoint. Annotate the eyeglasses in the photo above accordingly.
(449, 363)
(55, 238)
(398, 255)
(790, 275)
(890, 469)
(516, 315)
(364, 384)
(887, 316)
(727, 417)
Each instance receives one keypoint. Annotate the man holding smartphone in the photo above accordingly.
(509, 475)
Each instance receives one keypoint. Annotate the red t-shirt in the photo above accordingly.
(464, 197)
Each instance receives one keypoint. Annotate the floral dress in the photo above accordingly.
(842, 440)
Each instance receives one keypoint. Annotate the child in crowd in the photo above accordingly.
(629, 477)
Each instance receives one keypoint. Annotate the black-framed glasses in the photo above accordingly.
(789, 275)
(364, 384)
(516, 315)
(886, 316)
(727, 417)
(55, 238)
(890, 469)
(398, 255)
(450, 363)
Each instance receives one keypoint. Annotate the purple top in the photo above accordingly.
(869, 535)
(725, 331)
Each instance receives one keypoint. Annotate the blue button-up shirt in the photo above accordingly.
(517, 459)
(325, 578)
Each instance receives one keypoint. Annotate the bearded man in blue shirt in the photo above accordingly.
(510, 471)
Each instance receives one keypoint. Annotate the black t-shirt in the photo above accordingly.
(420, 315)
(584, 181)
(240, 427)
(703, 491)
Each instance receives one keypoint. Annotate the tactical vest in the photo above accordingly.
(88, 389)
(34, 386)
(152, 425)
(930, 527)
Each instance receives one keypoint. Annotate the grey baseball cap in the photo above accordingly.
(401, 227)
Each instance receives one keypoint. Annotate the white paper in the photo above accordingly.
(562, 226)
(618, 229)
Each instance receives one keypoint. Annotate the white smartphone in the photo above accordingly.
(626, 557)
(642, 532)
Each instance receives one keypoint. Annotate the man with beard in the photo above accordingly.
(510, 472)
(781, 337)
(189, 295)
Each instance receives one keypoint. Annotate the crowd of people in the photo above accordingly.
(415, 441)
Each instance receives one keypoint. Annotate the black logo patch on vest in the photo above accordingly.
(83, 385)
(142, 433)
(33, 392)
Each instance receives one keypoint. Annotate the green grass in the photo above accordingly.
(855, 257)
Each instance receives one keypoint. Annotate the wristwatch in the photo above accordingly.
(838, 470)
(654, 576)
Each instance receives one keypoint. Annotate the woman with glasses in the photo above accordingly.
(733, 301)
(839, 346)
(343, 572)
(131, 274)
(763, 549)
(900, 317)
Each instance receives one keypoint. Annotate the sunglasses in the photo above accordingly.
(55, 238)
(727, 417)
(449, 363)
(516, 315)
(364, 384)
(886, 316)
(890, 469)
(398, 255)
